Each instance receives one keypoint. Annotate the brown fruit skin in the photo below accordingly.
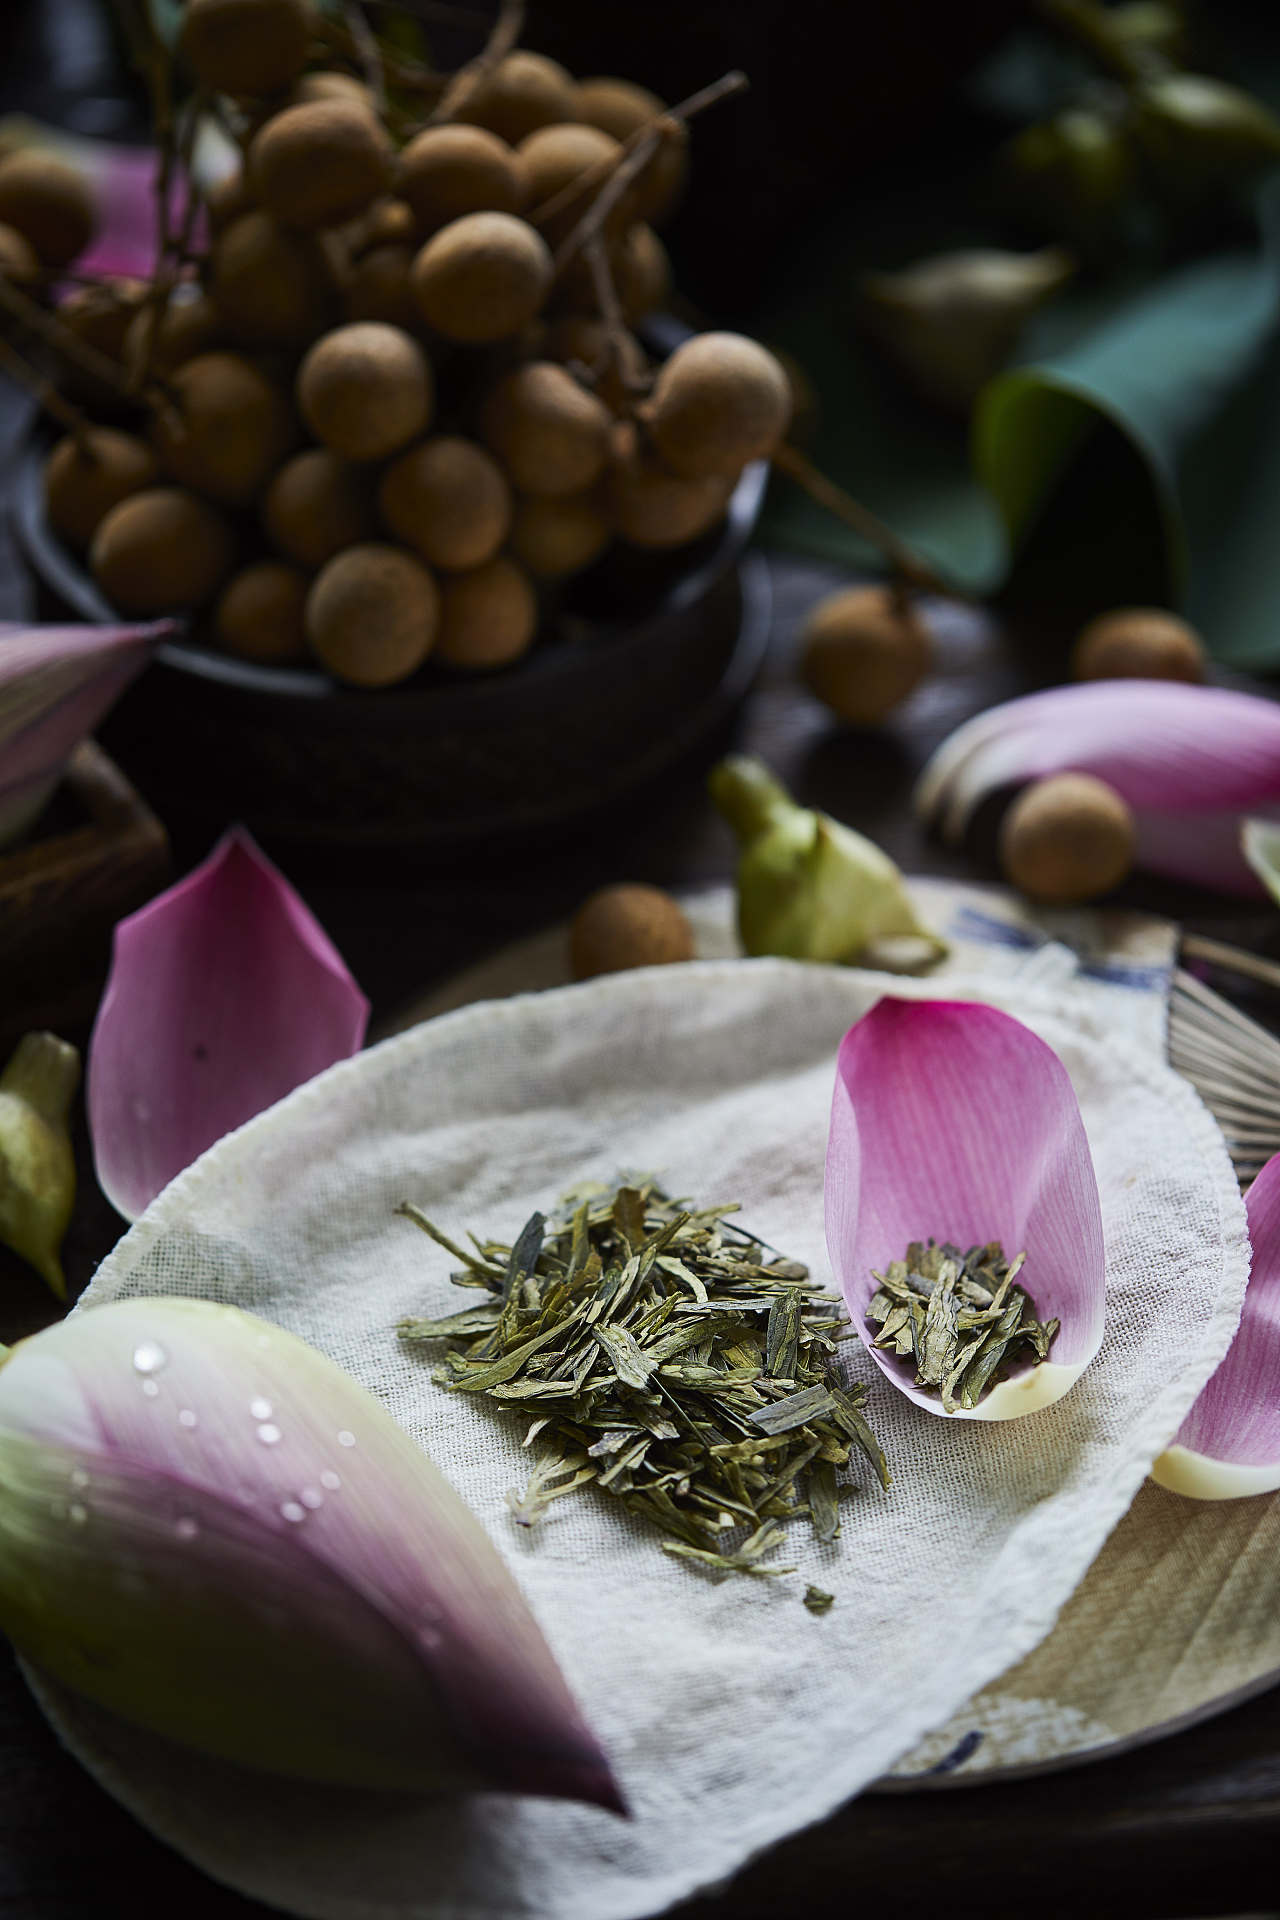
(550, 434)
(863, 653)
(321, 163)
(621, 108)
(523, 92)
(1067, 838)
(100, 314)
(1138, 643)
(554, 538)
(584, 337)
(161, 551)
(372, 615)
(270, 286)
(328, 85)
(260, 613)
(49, 203)
(488, 616)
(377, 288)
(446, 172)
(641, 276)
(317, 505)
(246, 46)
(650, 507)
(185, 328)
(627, 926)
(448, 500)
(19, 261)
(80, 491)
(554, 158)
(227, 199)
(718, 402)
(482, 277)
(229, 432)
(365, 390)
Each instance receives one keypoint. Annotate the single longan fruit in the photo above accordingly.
(387, 223)
(228, 198)
(161, 551)
(321, 163)
(372, 615)
(618, 106)
(189, 325)
(648, 505)
(557, 157)
(83, 481)
(554, 538)
(550, 434)
(863, 651)
(271, 287)
(365, 390)
(327, 84)
(377, 288)
(19, 261)
(260, 613)
(446, 172)
(719, 401)
(616, 361)
(449, 500)
(246, 46)
(1067, 838)
(100, 314)
(316, 506)
(488, 617)
(622, 108)
(524, 91)
(1138, 643)
(628, 926)
(228, 430)
(641, 272)
(50, 204)
(482, 277)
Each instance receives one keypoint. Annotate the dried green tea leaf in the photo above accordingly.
(959, 1316)
(817, 1601)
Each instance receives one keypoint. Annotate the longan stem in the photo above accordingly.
(409, 74)
(507, 30)
(76, 422)
(368, 53)
(911, 569)
(48, 327)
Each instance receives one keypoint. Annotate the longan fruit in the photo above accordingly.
(317, 505)
(550, 434)
(648, 505)
(387, 223)
(523, 92)
(554, 159)
(372, 615)
(84, 480)
(270, 286)
(616, 361)
(259, 615)
(49, 202)
(482, 277)
(228, 430)
(100, 314)
(228, 198)
(320, 163)
(488, 616)
(189, 325)
(621, 108)
(553, 538)
(719, 401)
(864, 651)
(377, 288)
(449, 500)
(246, 46)
(161, 551)
(628, 926)
(365, 390)
(1138, 643)
(449, 171)
(19, 261)
(328, 84)
(641, 272)
(1067, 838)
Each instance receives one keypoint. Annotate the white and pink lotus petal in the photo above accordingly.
(952, 1121)
(224, 994)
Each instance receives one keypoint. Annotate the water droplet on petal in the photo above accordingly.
(292, 1511)
(187, 1528)
(148, 1357)
(268, 1434)
(77, 1514)
(79, 1478)
(151, 1388)
(260, 1408)
(346, 1439)
(330, 1479)
(311, 1497)
(187, 1418)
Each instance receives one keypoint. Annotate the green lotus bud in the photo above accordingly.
(949, 324)
(1200, 136)
(1072, 176)
(37, 1166)
(810, 888)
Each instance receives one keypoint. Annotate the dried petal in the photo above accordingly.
(953, 1120)
(224, 994)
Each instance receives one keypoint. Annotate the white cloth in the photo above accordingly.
(732, 1714)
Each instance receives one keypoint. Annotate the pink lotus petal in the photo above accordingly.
(224, 994)
(1229, 1444)
(56, 683)
(953, 1121)
(233, 1544)
(1190, 761)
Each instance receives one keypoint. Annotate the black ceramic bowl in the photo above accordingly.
(636, 660)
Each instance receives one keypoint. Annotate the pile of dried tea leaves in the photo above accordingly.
(959, 1316)
(668, 1359)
